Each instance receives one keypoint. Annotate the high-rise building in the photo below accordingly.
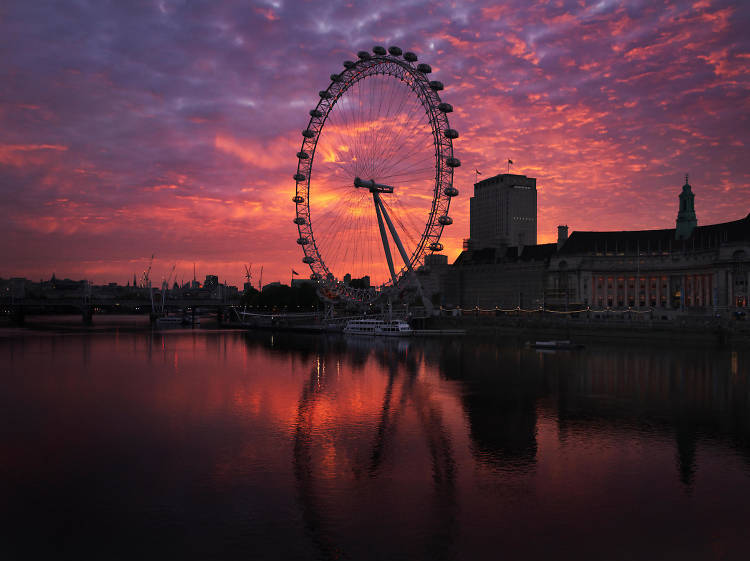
(503, 212)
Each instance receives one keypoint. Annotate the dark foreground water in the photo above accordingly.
(209, 445)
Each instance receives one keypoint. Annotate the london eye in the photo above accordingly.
(374, 176)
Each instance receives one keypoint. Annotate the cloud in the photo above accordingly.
(171, 128)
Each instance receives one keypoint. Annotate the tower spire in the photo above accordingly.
(686, 219)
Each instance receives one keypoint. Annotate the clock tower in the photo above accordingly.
(686, 220)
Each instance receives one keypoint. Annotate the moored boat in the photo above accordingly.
(168, 321)
(362, 326)
(395, 328)
(556, 345)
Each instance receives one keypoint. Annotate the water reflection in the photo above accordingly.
(500, 391)
(357, 446)
(216, 445)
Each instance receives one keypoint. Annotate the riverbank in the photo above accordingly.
(582, 330)
(520, 328)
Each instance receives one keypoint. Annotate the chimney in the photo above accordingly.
(562, 235)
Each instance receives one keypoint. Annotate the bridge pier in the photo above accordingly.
(87, 314)
(18, 315)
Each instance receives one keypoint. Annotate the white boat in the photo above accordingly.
(395, 328)
(166, 321)
(363, 326)
(556, 345)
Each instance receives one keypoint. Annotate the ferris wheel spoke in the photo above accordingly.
(406, 130)
(396, 145)
(335, 242)
(408, 173)
(411, 233)
(407, 215)
(409, 161)
(385, 125)
(333, 220)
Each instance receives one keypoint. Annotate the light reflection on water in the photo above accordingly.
(216, 445)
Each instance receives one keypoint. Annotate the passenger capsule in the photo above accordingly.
(325, 94)
(363, 55)
(349, 64)
(453, 162)
(395, 51)
(450, 133)
(451, 191)
(303, 155)
(309, 260)
(436, 85)
(336, 78)
(445, 220)
(299, 176)
(299, 221)
(316, 113)
(305, 241)
(436, 246)
(307, 133)
(298, 199)
(410, 56)
(424, 68)
(445, 107)
(378, 50)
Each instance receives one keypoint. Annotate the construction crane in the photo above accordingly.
(165, 287)
(169, 276)
(249, 275)
(145, 278)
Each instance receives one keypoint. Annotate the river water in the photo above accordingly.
(225, 445)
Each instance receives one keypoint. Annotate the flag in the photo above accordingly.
(510, 161)
(477, 171)
(294, 272)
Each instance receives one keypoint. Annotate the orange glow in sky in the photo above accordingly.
(169, 129)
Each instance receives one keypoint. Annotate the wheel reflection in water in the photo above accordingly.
(358, 466)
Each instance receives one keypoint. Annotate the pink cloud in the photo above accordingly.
(109, 153)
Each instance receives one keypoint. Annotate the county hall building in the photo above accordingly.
(688, 269)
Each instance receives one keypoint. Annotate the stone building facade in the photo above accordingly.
(704, 273)
(689, 269)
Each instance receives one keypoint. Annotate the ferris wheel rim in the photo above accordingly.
(384, 64)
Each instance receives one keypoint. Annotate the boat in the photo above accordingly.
(168, 321)
(395, 328)
(556, 345)
(362, 326)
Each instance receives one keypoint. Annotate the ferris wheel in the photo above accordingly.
(374, 176)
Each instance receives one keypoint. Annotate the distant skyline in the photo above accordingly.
(170, 128)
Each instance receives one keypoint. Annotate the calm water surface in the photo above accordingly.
(225, 445)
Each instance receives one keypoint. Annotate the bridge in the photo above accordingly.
(19, 308)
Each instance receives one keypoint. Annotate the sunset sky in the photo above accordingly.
(166, 127)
